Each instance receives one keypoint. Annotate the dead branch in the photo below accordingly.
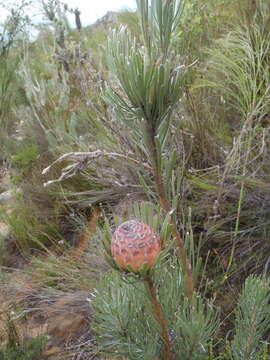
(81, 161)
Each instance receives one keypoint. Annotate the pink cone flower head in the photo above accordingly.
(135, 244)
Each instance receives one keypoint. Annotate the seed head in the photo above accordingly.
(135, 244)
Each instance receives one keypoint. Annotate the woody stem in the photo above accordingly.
(160, 317)
(164, 202)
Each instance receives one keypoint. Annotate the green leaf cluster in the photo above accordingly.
(252, 319)
(149, 73)
(126, 325)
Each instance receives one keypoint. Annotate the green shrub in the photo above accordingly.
(30, 350)
(29, 229)
(25, 156)
(15, 348)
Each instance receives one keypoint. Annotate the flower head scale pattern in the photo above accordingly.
(135, 244)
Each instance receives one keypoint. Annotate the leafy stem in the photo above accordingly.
(165, 204)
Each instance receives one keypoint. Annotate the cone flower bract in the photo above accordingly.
(135, 244)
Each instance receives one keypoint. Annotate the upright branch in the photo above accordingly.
(161, 91)
(165, 204)
(159, 317)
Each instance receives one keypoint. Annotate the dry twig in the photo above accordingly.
(81, 161)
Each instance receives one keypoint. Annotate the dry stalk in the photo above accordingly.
(81, 161)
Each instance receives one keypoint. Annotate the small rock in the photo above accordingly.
(8, 195)
(4, 230)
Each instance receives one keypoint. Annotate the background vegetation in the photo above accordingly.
(67, 92)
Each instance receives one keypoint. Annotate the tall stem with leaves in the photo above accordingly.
(150, 81)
